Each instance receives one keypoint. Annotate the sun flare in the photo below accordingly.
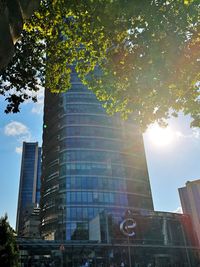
(160, 136)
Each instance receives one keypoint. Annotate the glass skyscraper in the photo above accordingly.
(96, 205)
(91, 162)
(29, 188)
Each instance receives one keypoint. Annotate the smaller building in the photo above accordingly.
(190, 202)
(31, 223)
(123, 238)
(152, 238)
(29, 187)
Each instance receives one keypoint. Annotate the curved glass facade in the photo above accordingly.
(91, 161)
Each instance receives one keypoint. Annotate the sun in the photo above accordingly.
(160, 136)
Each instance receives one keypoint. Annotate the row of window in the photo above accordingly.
(87, 166)
(101, 143)
(81, 213)
(26, 198)
(99, 183)
(92, 130)
(104, 183)
(90, 155)
(99, 156)
(76, 87)
(108, 199)
(78, 97)
(85, 169)
(83, 108)
(77, 131)
(104, 198)
(89, 119)
(103, 169)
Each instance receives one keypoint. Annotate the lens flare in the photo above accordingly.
(160, 136)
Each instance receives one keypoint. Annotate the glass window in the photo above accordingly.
(73, 197)
(90, 197)
(73, 182)
(101, 197)
(84, 182)
(90, 212)
(85, 213)
(95, 196)
(107, 197)
(84, 197)
(68, 197)
(90, 182)
(79, 213)
(79, 197)
(78, 182)
(111, 197)
(73, 213)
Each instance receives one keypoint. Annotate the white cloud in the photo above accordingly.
(20, 131)
(15, 128)
(178, 210)
(25, 138)
(38, 106)
(18, 149)
(196, 133)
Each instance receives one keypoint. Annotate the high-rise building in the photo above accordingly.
(96, 203)
(190, 202)
(91, 162)
(29, 187)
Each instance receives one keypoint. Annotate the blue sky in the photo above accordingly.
(169, 166)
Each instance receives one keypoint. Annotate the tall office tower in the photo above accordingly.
(29, 187)
(91, 162)
(190, 202)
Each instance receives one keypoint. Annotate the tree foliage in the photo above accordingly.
(139, 57)
(9, 254)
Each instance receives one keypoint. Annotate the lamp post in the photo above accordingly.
(127, 228)
(62, 248)
(129, 253)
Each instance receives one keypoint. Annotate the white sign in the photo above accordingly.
(127, 227)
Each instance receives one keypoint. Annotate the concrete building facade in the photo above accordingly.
(190, 202)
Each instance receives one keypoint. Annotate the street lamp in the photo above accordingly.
(62, 247)
(127, 228)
